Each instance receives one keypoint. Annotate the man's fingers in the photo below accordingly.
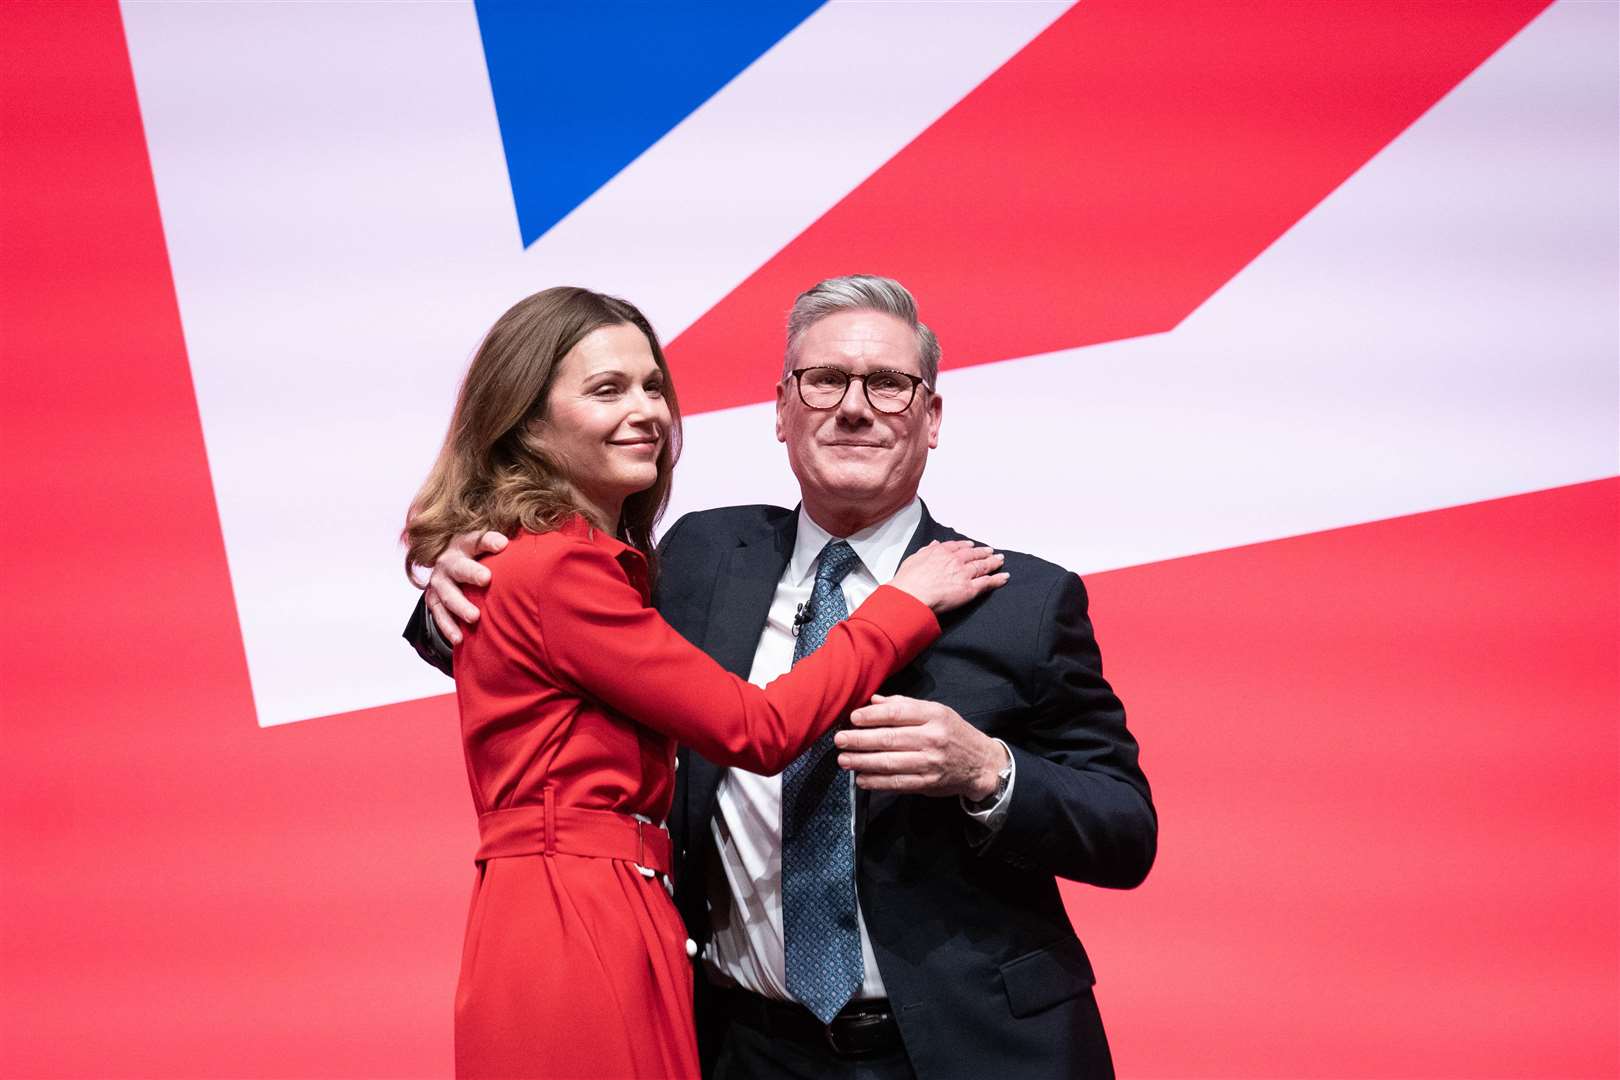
(890, 709)
(449, 629)
(868, 716)
(466, 571)
(902, 782)
(452, 599)
(883, 764)
(491, 542)
(882, 738)
(887, 715)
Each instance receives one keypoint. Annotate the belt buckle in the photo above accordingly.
(856, 1025)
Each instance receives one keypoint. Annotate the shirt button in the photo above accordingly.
(691, 949)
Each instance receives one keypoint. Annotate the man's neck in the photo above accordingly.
(845, 521)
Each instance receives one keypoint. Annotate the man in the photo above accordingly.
(907, 923)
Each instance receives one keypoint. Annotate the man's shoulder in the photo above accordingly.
(724, 526)
(695, 548)
(1029, 569)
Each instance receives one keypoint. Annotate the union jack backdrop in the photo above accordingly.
(1294, 327)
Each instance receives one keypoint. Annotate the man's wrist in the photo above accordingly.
(991, 780)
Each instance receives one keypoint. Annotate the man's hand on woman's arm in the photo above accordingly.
(456, 567)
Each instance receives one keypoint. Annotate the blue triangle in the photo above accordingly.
(582, 89)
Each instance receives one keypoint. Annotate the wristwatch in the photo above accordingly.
(1003, 778)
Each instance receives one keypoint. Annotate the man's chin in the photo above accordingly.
(855, 484)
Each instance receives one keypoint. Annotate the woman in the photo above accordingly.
(574, 693)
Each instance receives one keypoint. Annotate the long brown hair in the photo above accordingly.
(492, 472)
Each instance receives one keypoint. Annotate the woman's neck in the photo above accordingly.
(604, 514)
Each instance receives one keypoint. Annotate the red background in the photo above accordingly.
(1385, 757)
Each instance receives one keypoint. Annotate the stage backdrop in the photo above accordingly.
(1292, 326)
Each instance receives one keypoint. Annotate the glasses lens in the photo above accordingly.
(888, 391)
(822, 387)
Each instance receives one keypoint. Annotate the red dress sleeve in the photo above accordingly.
(592, 629)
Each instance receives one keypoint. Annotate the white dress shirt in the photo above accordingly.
(745, 899)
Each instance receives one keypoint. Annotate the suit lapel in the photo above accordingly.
(924, 533)
(744, 588)
(929, 530)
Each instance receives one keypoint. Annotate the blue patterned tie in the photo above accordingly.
(821, 936)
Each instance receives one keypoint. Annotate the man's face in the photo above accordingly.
(853, 462)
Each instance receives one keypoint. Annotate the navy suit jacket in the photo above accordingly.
(983, 968)
(982, 965)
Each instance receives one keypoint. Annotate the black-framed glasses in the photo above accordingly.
(886, 391)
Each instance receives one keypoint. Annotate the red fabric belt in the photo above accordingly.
(549, 829)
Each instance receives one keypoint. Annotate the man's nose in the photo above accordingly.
(855, 408)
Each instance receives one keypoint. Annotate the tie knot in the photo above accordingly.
(837, 559)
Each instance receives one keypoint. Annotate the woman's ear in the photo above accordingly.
(532, 434)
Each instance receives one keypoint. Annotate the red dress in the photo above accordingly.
(573, 695)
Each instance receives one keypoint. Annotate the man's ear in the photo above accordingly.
(782, 399)
(936, 408)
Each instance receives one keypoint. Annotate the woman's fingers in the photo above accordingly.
(982, 564)
(988, 563)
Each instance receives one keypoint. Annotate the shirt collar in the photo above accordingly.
(579, 525)
(633, 561)
(880, 546)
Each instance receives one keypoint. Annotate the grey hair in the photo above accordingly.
(860, 292)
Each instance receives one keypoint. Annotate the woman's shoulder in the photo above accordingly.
(573, 549)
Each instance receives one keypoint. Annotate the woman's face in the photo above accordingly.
(606, 419)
